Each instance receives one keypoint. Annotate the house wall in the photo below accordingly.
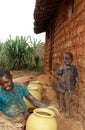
(65, 32)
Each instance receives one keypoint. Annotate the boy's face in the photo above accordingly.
(67, 59)
(6, 82)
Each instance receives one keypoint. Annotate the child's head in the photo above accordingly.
(68, 58)
(6, 80)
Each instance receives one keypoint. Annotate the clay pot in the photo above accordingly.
(35, 84)
(41, 119)
(35, 88)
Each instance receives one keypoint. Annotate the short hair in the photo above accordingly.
(4, 72)
(69, 53)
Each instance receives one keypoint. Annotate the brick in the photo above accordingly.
(81, 63)
(84, 50)
(80, 18)
(80, 51)
(77, 2)
(80, 7)
(82, 40)
(73, 33)
(82, 34)
(81, 103)
(80, 29)
(71, 24)
(76, 41)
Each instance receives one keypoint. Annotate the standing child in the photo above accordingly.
(67, 81)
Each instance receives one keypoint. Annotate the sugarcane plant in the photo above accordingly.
(3, 59)
(18, 52)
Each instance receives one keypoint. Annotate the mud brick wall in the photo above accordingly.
(65, 32)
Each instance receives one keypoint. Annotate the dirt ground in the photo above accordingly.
(49, 97)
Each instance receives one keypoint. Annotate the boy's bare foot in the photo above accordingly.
(67, 115)
(60, 110)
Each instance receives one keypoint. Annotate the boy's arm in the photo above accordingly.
(30, 97)
(35, 102)
(59, 72)
(76, 77)
(77, 82)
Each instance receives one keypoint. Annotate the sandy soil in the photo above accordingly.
(49, 96)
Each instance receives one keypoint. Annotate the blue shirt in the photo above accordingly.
(11, 102)
(68, 75)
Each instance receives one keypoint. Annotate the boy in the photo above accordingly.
(68, 80)
(12, 105)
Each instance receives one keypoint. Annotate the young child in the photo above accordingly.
(67, 81)
(12, 105)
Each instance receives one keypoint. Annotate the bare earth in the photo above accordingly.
(50, 97)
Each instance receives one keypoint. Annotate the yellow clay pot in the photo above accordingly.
(41, 119)
(35, 84)
(35, 88)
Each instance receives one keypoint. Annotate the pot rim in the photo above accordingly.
(45, 110)
(35, 82)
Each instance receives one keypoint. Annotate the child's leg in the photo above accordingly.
(67, 103)
(61, 101)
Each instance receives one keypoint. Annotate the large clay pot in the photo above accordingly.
(35, 84)
(35, 88)
(41, 119)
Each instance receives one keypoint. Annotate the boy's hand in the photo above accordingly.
(55, 110)
(69, 92)
(60, 68)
